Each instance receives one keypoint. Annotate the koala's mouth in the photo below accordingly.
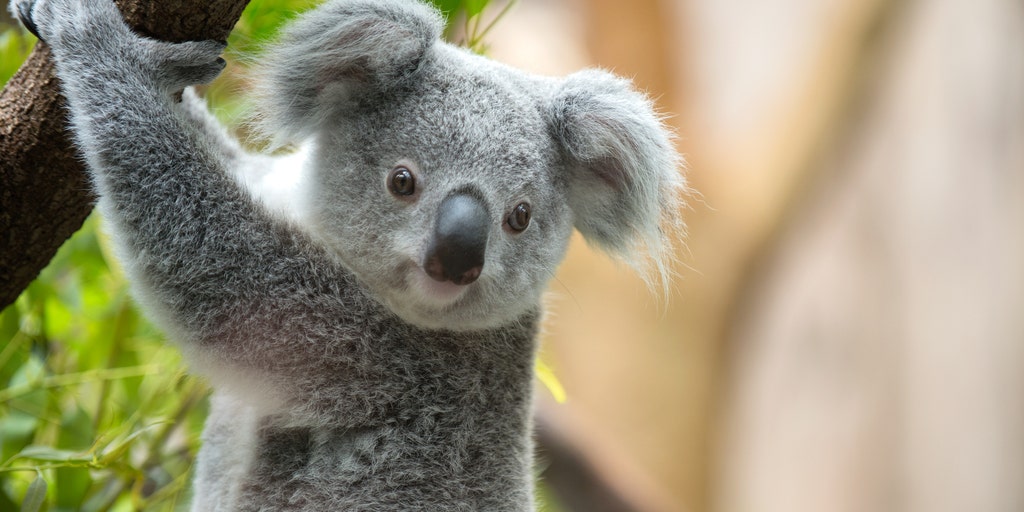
(441, 293)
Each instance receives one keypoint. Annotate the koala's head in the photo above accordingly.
(450, 184)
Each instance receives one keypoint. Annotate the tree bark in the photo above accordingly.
(46, 193)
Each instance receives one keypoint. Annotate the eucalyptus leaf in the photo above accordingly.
(50, 454)
(35, 496)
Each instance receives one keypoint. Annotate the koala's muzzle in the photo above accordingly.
(456, 251)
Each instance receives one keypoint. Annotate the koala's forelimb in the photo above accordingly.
(153, 162)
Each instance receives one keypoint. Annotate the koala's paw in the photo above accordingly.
(22, 11)
(178, 65)
(53, 21)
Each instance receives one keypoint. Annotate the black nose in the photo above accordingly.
(456, 252)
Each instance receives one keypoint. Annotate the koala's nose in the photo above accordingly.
(456, 252)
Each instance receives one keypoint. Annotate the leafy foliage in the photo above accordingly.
(94, 402)
(96, 410)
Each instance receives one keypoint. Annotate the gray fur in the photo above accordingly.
(345, 378)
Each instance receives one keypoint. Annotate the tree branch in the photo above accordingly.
(46, 193)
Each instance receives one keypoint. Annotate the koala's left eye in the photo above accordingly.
(519, 219)
(401, 181)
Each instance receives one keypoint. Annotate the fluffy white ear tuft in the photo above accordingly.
(625, 181)
(337, 55)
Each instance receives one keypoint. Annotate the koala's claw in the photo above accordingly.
(189, 63)
(200, 74)
(188, 54)
(24, 14)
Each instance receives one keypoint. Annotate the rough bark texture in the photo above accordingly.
(46, 194)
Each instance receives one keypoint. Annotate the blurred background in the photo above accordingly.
(846, 331)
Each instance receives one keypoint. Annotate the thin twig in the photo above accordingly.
(72, 379)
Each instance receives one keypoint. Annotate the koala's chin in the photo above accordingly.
(429, 304)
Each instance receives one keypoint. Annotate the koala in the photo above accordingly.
(367, 307)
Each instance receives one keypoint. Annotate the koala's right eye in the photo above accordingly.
(401, 181)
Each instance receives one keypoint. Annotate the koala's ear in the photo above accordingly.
(337, 54)
(625, 179)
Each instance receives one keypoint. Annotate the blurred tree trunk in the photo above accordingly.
(46, 193)
(633, 440)
(878, 361)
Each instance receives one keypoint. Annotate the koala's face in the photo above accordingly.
(447, 202)
(450, 184)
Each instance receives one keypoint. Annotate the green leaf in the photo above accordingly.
(474, 7)
(31, 373)
(118, 448)
(35, 496)
(50, 454)
(76, 430)
(24, 391)
(16, 430)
